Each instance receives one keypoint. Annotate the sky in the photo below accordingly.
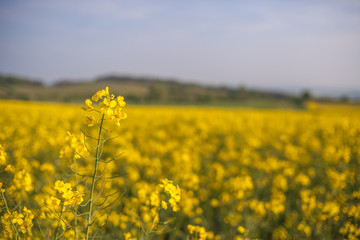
(282, 44)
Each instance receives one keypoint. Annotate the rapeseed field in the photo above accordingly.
(112, 171)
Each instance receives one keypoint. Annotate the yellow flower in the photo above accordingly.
(88, 106)
(100, 94)
(23, 180)
(10, 168)
(241, 229)
(78, 197)
(163, 205)
(28, 217)
(2, 156)
(53, 201)
(62, 187)
(18, 218)
(89, 120)
(68, 196)
(1, 189)
(154, 199)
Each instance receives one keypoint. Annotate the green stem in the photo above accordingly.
(7, 209)
(97, 158)
(58, 226)
(149, 231)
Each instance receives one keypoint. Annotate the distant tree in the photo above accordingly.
(306, 95)
(158, 92)
(204, 98)
(344, 98)
(241, 92)
(177, 92)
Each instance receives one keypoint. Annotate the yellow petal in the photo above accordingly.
(88, 102)
(113, 103)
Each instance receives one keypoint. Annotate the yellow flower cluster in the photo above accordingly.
(21, 221)
(73, 147)
(148, 209)
(351, 229)
(23, 180)
(110, 106)
(128, 236)
(174, 193)
(200, 233)
(71, 198)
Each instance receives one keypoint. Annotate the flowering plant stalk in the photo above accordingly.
(110, 108)
(8, 211)
(12, 220)
(59, 221)
(76, 206)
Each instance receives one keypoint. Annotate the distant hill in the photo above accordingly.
(12, 80)
(138, 90)
(10, 85)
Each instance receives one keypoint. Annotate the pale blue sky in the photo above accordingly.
(264, 44)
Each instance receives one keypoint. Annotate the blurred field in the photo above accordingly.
(243, 173)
